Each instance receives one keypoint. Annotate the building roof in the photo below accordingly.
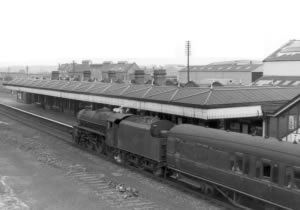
(270, 98)
(233, 66)
(288, 52)
(117, 67)
(278, 81)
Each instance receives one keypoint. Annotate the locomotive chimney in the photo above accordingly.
(164, 133)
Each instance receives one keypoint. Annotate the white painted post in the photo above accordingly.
(264, 128)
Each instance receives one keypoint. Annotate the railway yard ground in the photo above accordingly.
(39, 171)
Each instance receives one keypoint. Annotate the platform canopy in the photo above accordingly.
(202, 103)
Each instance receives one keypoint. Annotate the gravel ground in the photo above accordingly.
(40, 172)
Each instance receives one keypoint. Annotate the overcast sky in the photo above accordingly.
(148, 32)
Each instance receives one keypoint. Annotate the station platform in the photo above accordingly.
(8, 99)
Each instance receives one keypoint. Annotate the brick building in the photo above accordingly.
(106, 71)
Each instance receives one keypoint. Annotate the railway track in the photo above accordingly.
(95, 182)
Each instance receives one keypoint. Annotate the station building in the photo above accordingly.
(257, 110)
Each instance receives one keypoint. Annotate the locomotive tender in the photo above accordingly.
(242, 168)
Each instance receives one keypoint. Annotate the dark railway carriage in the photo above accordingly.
(242, 168)
(140, 140)
(237, 165)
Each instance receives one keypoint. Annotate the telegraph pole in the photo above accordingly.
(188, 53)
(27, 68)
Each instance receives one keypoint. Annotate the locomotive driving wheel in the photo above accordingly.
(89, 145)
(76, 139)
(76, 136)
(158, 171)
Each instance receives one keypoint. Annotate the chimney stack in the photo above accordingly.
(86, 62)
(139, 76)
(55, 75)
(159, 76)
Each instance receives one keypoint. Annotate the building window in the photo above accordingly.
(276, 82)
(235, 126)
(292, 122)
(286, 82)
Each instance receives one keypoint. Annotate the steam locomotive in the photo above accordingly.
(247, 170)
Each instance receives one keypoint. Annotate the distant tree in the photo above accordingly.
(217, 83)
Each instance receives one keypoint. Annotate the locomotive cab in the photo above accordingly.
(112, 128)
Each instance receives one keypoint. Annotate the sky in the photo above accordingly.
(48, 32)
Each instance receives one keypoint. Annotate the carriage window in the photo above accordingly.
(275, 173)
(232, 164)
(266, 170)
(288, 177)
(236, 163)
(297, 177)
(239, 164)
